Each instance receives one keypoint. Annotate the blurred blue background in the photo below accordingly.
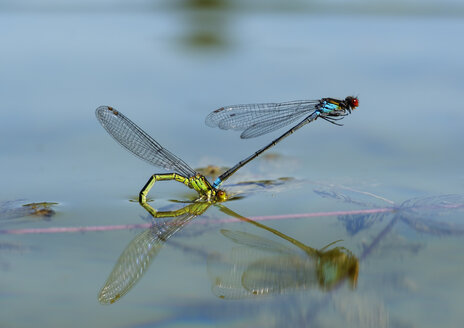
(166, 65)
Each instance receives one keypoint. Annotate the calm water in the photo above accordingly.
(166, 67)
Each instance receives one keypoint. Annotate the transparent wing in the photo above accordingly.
(137, 141)
(136, 258)
(271, 124)
(242, 117)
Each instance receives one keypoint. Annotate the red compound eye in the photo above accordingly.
(354, 102)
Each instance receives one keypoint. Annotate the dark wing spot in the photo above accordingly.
(115, 112)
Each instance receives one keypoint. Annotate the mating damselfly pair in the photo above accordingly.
(253, 119)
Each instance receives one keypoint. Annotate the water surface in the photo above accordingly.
(166, 67)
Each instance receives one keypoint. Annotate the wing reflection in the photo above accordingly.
(436, 215)
(137, 256)
(261, 266)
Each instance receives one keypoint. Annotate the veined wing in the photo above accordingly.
(131, 266)
(273, 124)
(137, 141)
(136, 258)
(242, 117)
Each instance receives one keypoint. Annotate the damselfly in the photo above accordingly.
(258, 119)
(137, 141)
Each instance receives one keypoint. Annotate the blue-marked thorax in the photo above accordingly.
(328, 107)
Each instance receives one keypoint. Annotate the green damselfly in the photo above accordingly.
(137, 141)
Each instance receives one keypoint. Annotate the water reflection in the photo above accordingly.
(262, 266)
(206, 24)
(137, 256)
(285, 270)
(10, 212)
(211, 171)
(435, 215)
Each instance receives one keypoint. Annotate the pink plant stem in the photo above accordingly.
(52, 230)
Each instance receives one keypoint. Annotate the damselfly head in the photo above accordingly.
(221, 195)
(352, 102)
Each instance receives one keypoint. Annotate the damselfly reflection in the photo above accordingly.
(261, 266)
(324, 267)
(137, 256)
